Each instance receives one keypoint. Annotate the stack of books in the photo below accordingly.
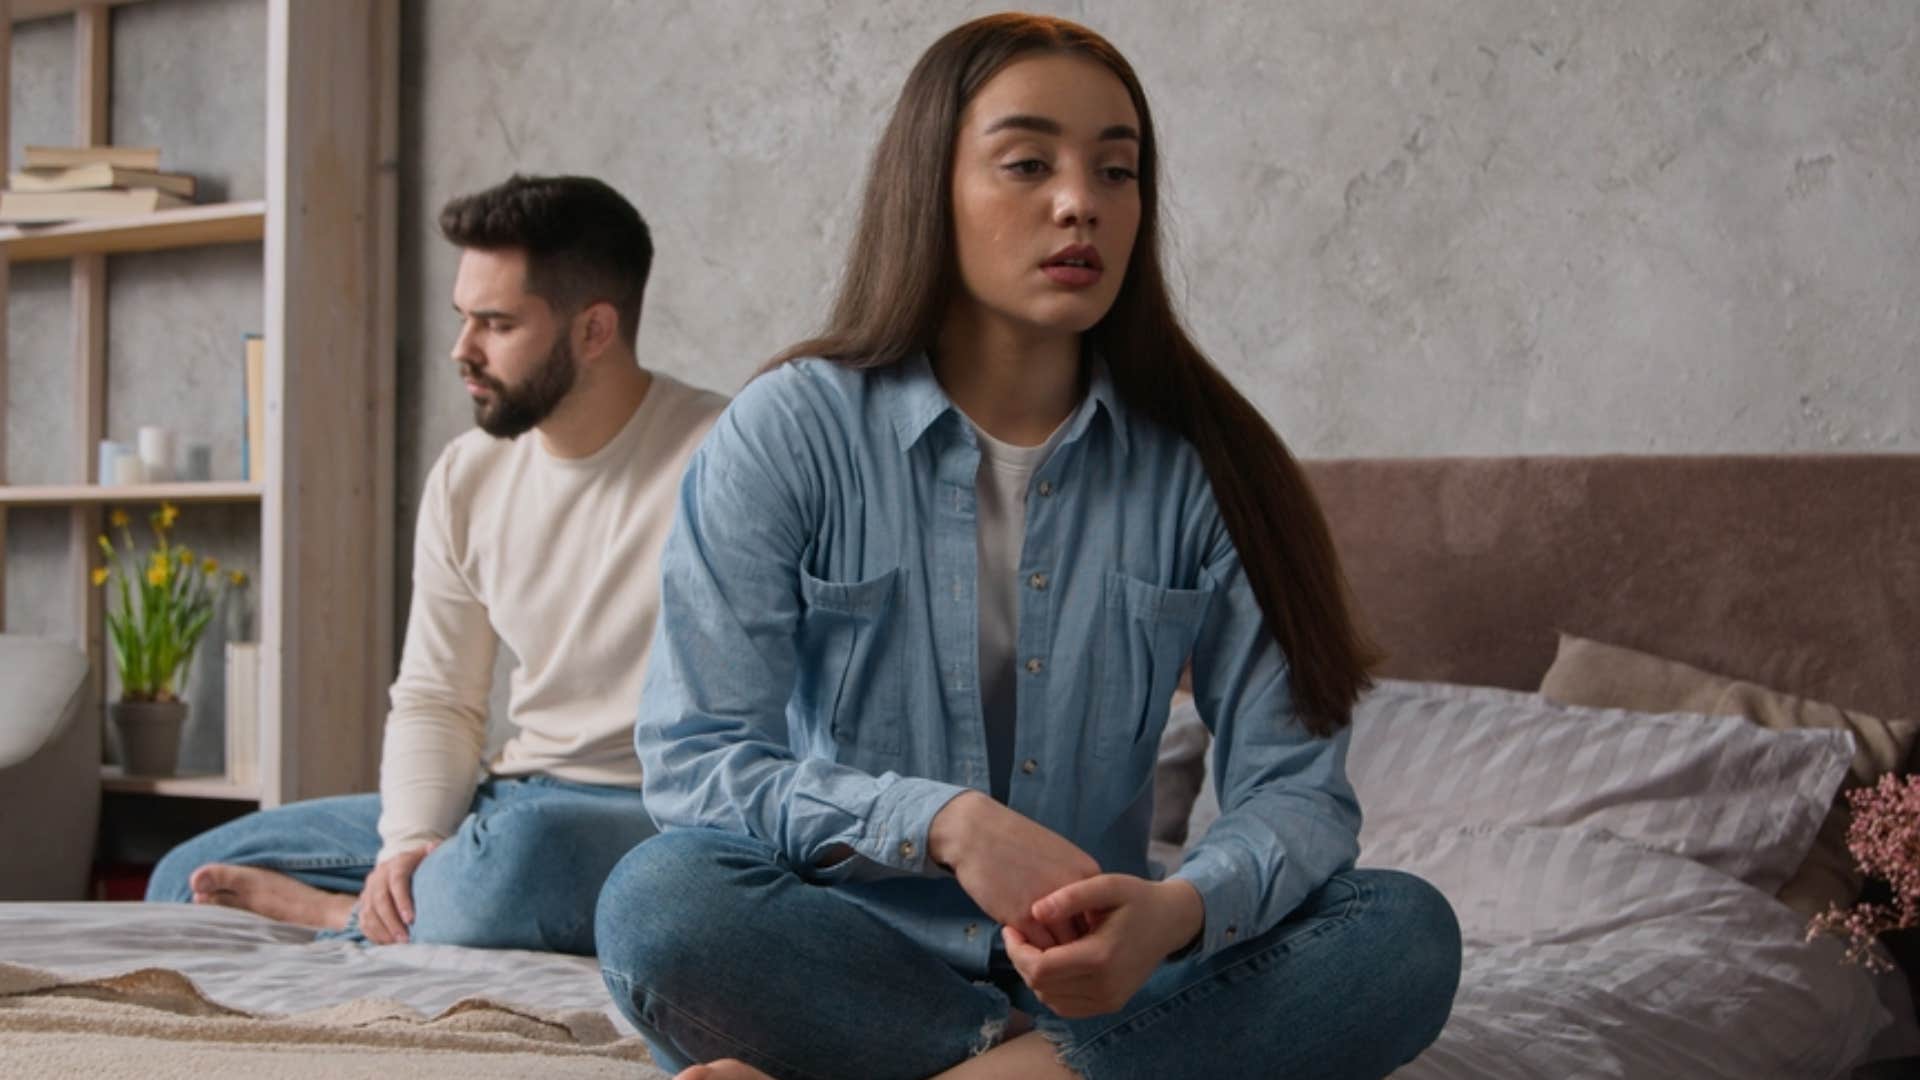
(84, 183)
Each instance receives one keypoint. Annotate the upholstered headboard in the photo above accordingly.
(1797, 572)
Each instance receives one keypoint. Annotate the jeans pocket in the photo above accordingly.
(1146, 637)
(851, 675)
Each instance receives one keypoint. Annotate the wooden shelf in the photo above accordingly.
(187, 787)
(188, 226)
(90, 494)
(24, 10)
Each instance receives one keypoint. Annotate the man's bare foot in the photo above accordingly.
(270, 893)
(724, 1069)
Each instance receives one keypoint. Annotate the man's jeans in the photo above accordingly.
(714, 947)
(521, 872)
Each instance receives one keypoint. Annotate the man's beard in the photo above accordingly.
(512, 411)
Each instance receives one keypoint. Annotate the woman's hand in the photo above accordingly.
(1005, 861)
(1136, 924)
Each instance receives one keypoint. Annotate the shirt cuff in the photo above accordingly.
(1226, 892)
(400, 847)
(896, 832)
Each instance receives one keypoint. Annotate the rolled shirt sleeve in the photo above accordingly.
(1289, 819)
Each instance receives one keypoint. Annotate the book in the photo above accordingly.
(39, 207)
(253, 410)
(243, 712)
(59, 157)
(99, 175)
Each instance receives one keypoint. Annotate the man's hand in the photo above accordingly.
(1005, 861)
(386, 900)
(1136, 924)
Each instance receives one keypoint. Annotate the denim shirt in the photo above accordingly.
(815, 678)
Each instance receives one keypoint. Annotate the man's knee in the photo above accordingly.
(524, 876)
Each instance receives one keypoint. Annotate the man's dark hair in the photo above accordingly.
(584, 242)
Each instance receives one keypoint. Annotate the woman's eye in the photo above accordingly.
(1119, 174)
(1027, 167)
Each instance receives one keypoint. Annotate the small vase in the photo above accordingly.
(149, 735)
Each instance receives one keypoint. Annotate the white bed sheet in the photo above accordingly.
(245, 962)
(1564, 976)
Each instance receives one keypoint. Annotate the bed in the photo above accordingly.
(1609, 934)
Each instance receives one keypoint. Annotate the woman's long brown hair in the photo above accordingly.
(901, 273)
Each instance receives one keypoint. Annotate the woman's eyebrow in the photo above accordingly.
(1048, 126)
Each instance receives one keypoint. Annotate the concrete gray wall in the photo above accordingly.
(1484, 226)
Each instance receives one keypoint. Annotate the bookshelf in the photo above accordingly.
(188, 226)
(132, 495)
(184, 787)
(325, 234)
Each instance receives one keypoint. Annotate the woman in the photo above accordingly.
(934, 580)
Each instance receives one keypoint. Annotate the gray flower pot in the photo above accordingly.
(149, 735)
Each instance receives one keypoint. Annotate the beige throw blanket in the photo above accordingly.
(154, 1023)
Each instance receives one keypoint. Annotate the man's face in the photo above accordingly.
(513, 349)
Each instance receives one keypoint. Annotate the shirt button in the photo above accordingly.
(1046, 487)
(1035, 665)
(907, 849)
(1038, 581)
(1232, 932)
(1028, 766)
(973, 929)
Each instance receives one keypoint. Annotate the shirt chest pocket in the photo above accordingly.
(1146, 637)
(849, 677)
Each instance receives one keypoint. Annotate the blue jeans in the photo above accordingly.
(521, 872)
(714, 947)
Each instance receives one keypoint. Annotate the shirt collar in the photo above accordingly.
(920, 402)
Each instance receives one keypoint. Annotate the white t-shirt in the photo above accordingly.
(1000, 497)
(560, 559)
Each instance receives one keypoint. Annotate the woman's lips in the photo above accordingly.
(1071, 277)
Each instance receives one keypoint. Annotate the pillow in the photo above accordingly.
(1591, 673)
(1741, 799)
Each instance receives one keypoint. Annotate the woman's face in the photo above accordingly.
(1046, 196)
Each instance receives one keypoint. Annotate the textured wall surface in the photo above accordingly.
(1485, 226)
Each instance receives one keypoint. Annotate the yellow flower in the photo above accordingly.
(210, 567)
(185, 555)
(169, 514)
(237, 577)
(106, 545)
(99, 575)
(157, 575)
(118, 519)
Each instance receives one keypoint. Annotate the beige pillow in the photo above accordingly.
(1607, 676)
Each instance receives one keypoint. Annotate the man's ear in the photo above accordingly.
(597, 328)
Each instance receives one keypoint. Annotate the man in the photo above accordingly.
(549, 544)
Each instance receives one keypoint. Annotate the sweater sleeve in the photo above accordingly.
(436, 726)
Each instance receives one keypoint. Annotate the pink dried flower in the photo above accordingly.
(1885, 840)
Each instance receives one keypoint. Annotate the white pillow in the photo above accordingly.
(1718, 790)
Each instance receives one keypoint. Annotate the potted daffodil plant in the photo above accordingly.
(159, 602)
